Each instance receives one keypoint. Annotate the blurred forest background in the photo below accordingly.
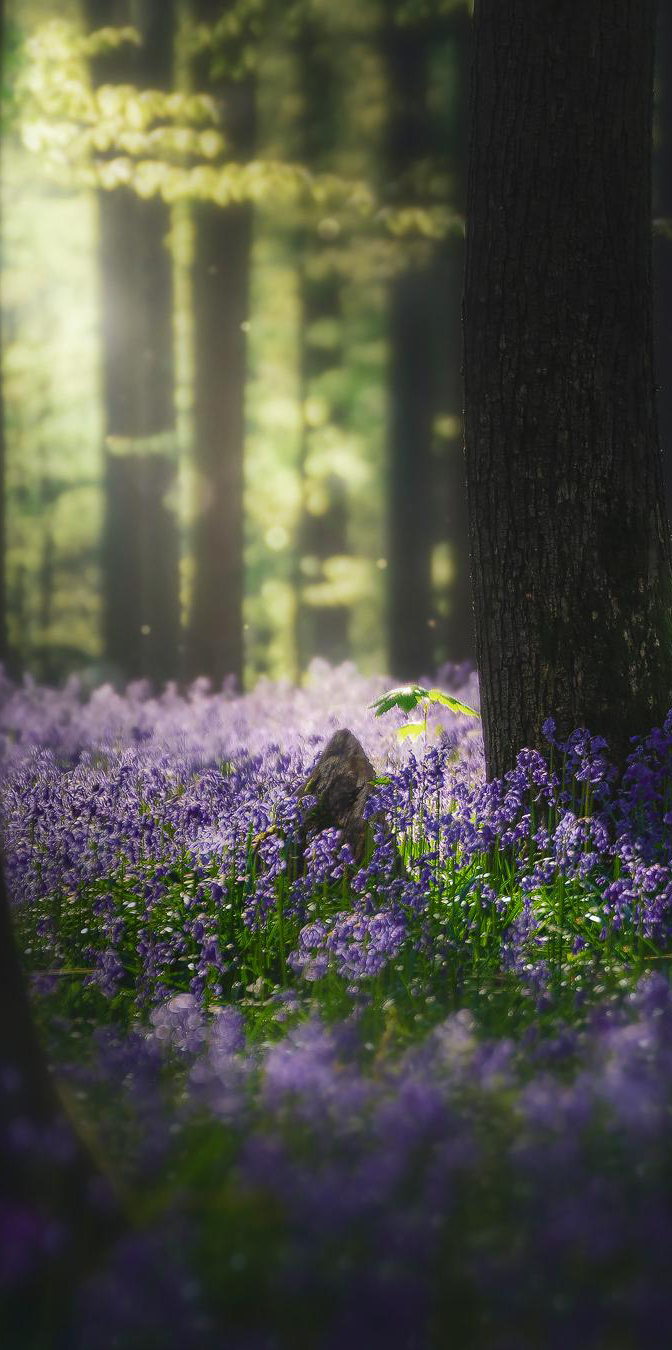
(232, 241)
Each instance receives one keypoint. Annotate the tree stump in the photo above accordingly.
(342, 782)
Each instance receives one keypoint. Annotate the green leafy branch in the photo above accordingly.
(407, 697)
(171, 143)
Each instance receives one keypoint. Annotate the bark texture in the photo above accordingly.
(342, 782)
(140, 554)
(220, 278)
(569, 536)
(662, 251)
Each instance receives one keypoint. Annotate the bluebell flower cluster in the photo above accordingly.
(426, 1089)
(523, 1188)
(161, 866)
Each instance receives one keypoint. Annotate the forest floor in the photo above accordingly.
(417, 1098)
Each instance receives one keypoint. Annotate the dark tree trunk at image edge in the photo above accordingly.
(569, 535)
(662, 242)
(4, 637)
(4, 640)
(60, 1187)
(140, 542)
(220, 277)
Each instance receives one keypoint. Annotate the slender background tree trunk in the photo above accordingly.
(455, 632)
(569, 536)
(428, 621)
(322, 626)
(412, 401)
(140, 554)
(221, 272)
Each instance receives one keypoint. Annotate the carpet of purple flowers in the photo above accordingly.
(419, 1101)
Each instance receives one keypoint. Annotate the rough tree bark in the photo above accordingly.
(140, 542)
(220, 277)
(569, 537)
(341, 782)
(662, 252)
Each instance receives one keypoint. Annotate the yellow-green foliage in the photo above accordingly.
(74, 139)
(147, 139)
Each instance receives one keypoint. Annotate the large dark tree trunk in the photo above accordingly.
(27, 1099)
(221, 270)
(20, 1049)
(662, 256)
(322, 626)
(141, 542)
(569, 536)
(51, 1186)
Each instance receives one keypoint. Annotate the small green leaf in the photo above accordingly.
(407, 697)
(411, 729)
(437, 696)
